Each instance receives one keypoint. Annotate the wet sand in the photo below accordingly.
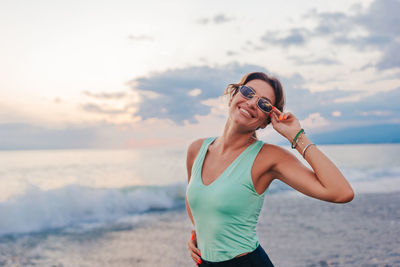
(294, 230)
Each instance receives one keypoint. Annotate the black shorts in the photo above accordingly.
(256, 258)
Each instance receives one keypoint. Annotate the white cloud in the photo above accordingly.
(195, 92)
(376, 113)
(314, 120)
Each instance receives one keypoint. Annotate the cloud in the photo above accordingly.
(359, 108)
(314, 120)
(173, 89)
(221, 18)
(26, 136)
(102, 109)
(390, 58)
(295, 36)
(313, 61)
(231, 53)
(115, 95)
(182, 95)
(378, 27)
(217, 19)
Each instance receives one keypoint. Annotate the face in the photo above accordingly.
(245, 111)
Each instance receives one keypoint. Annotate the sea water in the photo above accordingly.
(56, 189)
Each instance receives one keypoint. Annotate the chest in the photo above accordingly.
(215, 166)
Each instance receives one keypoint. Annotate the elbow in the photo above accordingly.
(345, 198)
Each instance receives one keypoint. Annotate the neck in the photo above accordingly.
(232, 139)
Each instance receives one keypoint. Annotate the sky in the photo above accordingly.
(129, 74)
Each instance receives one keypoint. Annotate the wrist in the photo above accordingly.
(292, 134)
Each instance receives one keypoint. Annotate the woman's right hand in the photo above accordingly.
(194, 251)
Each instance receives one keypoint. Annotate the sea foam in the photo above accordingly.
(37, 210)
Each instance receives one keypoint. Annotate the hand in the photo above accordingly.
(194, 251)
(285, 123)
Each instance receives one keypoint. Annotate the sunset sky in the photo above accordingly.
(126, 74)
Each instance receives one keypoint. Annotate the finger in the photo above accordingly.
(192, 246)
(274, 118)
(276, 111)
(196, 258)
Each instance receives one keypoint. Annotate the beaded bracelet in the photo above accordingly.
(294, 142)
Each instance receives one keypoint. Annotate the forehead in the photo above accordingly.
(263, 89)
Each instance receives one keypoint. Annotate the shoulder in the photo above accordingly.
(272, 153)
(192, 152)
(194, 147)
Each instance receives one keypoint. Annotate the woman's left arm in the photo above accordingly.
(325, 182)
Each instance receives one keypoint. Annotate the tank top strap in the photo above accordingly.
(250, 154)
(201, 154)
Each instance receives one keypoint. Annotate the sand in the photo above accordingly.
(293, 230)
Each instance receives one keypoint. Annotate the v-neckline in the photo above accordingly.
(226, 169)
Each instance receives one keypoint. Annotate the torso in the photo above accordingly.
(214, 166)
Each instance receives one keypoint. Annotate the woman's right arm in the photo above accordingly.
(192, 152)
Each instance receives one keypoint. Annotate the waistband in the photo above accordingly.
(229, 263)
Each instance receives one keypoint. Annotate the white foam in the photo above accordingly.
(39, 210)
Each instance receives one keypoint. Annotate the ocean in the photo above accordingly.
(52, 200)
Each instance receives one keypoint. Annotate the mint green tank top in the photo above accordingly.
(225, 212)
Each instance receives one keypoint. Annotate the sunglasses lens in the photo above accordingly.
(246, 91)
(264, 105)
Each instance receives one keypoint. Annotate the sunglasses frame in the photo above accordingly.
(255, 95)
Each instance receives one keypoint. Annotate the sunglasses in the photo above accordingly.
(262, 103)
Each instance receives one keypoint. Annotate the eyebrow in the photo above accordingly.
(261, 96)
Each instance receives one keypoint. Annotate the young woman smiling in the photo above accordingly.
(228, 175)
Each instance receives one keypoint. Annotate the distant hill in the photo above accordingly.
(372, 134)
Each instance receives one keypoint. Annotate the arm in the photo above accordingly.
(192, 152)
(324, 181)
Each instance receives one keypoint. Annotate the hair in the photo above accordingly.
(233, 88)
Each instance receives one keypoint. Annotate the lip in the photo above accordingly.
(244, 113)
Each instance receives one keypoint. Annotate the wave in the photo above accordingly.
(37, 210)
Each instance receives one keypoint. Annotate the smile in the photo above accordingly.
(245, 112)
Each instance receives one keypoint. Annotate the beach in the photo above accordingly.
(294, 230)
(113, 208)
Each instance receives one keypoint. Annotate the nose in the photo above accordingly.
(252, 102)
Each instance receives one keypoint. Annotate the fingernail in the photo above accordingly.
(273, 107)
(192, 237)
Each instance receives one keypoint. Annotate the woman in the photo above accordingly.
(228, 175)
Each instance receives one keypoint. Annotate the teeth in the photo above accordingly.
(245, 111)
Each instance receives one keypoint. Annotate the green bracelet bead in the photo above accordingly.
(294, 143)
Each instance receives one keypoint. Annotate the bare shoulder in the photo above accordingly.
(269, 156)
(192, 152)
(194, 147)
(272, 151)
